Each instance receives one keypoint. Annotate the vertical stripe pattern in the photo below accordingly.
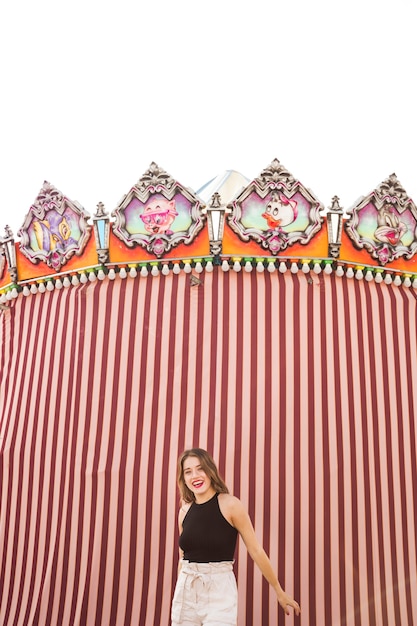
(301, 386)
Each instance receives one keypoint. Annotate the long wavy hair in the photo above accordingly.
(210, 468)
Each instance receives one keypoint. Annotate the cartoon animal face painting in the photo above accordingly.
(53, 232)
(280, 211)
(158, 216)
(390, 228)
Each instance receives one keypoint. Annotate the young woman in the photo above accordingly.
(209, 522)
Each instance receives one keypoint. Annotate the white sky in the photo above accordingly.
(92, 92)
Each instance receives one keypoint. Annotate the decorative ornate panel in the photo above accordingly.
(2, 261)
(55, 229)
(385, 223)
(158, 213)
(275, 210)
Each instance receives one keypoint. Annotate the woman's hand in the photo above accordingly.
(286, 601)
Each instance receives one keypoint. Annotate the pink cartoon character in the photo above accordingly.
(158, 216)
(280, 211)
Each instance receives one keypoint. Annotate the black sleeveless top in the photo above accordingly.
(207, 536)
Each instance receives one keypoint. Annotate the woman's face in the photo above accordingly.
(196, 479)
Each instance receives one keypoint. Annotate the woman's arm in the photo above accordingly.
(239, 518)
(181, 514)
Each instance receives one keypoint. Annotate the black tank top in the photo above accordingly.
(207, 536)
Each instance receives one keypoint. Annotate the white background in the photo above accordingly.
(92, 92)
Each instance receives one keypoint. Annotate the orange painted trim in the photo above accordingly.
(316, 248)
(26, 270)
(120, 253)
(350, 254)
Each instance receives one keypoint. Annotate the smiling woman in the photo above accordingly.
(209, 522)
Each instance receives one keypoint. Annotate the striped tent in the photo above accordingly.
(302, 388)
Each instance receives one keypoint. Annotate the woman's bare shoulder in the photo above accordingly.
(228, 499)
(229, 505)
(184, 508)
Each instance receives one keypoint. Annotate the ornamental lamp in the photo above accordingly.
(215, 213)
(334, 228)
(10, 250)
(101, 224)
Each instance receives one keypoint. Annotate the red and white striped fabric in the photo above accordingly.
(301, 386)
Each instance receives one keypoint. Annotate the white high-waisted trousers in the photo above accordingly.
(205, 595)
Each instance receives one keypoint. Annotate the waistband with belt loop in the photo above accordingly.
(204, 571)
